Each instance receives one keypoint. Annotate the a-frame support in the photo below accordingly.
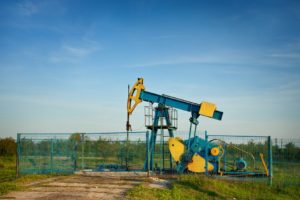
(161, 112)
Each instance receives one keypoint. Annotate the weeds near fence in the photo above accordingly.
(9, 181)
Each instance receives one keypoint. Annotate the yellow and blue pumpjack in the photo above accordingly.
(189, 154)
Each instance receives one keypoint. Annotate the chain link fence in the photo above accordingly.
(66, 153)
(118, 151)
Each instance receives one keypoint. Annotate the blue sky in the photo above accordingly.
(65, 65)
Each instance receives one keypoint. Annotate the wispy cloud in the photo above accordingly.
(233, 58)
(46, 101)
(183, 60)
(68, 52)
(165, 37)
(27, 8)
(290, 49)
(77, 51)
(286, 55)
(30, 7)
(218, 58)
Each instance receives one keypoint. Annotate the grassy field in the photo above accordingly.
(8, 179)
(286, 183)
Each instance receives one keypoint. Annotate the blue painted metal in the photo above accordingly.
(58, 153)
(189, 140)
(270, 156)
(206, 154)
(201, 147)
(147, 152)
(240, 164)
(82, 151)
(234, 161)
(270, 159)
(176, 103)
(111, 167)
(160, 111)
(165, 100)
(51, 156)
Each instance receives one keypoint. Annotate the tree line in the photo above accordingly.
(8, 146)
(106, 148)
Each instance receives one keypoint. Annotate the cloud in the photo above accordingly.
(182, 60)
(74, 52)
(28, 8)
(165, 37)
(217, 58)
(77, 51)
(286, 55)
(288, 50)
(229, 57)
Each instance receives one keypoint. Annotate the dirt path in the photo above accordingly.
(78, 187)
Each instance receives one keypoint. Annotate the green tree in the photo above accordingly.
(75, 137)
(7, 146)
(291, 151)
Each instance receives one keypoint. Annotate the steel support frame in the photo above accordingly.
(160, 111)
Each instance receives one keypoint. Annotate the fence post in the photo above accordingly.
(82, 151)
(18, 155)
(147, 153)
(225, 159)
(51, 156)
(270, 159)
(206, 153)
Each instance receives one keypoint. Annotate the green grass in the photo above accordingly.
(286, 184)
(286, 173)
(8, 179)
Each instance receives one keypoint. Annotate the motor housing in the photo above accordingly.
(240, 164)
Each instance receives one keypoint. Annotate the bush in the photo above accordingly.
(7, 147)
(6, 187)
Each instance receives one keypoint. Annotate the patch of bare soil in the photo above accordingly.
(79, 187)
(155, 182)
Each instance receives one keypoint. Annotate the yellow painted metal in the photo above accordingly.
(176, 148)
(264, 163)
(198, 164)
(207, 109)
(134, 95)
(215, 151)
